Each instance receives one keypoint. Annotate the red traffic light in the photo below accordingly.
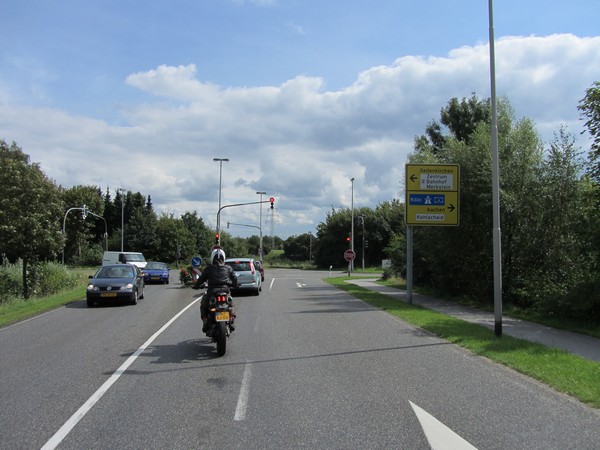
(217, 238)
(272, 200)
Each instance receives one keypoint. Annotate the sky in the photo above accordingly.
(300, 95)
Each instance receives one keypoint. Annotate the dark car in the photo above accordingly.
(116, 282)
(247, 276)
(259, 266)
(156, 272)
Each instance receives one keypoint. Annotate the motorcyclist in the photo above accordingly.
(217, 275)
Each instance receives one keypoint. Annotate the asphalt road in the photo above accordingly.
(307, 367)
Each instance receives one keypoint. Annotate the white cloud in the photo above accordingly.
(297, 141)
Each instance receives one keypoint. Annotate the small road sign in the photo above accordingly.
(196, 261)
(349, 255)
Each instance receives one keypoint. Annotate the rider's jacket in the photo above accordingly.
(216, 275)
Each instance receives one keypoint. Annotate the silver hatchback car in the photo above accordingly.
(247, 275)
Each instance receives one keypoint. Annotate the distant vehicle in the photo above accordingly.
(135, 258)
(156, 272)
(259, 266)
(116, 282)
(247, 275)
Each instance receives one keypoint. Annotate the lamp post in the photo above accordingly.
(496, 238)
(351, 263)
(84, 212)
(122, 191)
(260, 246)
(220, 161)
(361, 219)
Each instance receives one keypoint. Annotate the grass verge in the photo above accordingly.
(16, 310)
(561, 323)
(558, 369)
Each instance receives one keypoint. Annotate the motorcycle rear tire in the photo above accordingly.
(221, 338)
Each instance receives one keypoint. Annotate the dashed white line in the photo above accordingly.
(242, 404)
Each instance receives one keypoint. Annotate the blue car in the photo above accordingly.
(156, 272)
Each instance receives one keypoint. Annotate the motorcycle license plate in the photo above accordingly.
(222, 316)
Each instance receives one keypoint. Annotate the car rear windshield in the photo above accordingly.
(240, 266)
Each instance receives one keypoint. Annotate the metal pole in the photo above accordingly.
(220, 160)
(351, 263)
(122, 191)
(260, 246)
(495, 188)
(363, 242)
(409, 264)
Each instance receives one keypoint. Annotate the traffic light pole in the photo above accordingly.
(237, 204)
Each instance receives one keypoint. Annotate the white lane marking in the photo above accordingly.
(84, 409)
(242, 404)
(439, 436)
(300, 285)
(271, 285)
(31, 318)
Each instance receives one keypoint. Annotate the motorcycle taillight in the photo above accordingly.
(221, 298)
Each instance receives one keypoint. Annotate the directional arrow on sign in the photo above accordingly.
(412, 178)
(451, 207)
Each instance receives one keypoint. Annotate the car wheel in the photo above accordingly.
(90, 303)
(142, 294)
(134, 297)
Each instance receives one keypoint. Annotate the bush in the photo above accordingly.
(43, 279)
(11, 281)
(53, 278)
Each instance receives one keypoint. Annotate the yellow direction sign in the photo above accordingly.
(432, 194)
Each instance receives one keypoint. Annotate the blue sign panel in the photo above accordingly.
(196, 261)
(427, 199)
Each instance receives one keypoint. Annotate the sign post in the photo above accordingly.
(432, 199)
(432, 194)
(349, 256)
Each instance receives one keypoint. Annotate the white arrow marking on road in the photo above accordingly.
(439, 436)
(300, 284)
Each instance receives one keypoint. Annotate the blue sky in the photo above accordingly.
(300, 95)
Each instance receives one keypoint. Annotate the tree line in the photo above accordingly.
(550, 216)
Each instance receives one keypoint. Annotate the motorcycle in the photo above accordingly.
(220, 318)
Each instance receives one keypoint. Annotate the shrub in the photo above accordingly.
(43, 279)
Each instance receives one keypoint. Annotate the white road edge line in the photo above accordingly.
(439, 436)
(83, 410)
(242, 404)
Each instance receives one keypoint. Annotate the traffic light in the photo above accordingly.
(217, 238)
(272, 200)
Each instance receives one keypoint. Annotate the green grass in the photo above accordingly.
(562, 371)
(16, 310)
(562, 323)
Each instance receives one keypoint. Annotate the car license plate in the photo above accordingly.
(156, 278)
(222, 316)
(108, 294)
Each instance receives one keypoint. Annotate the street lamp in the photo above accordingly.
(122, 191)
(260, 246)
(352, 226)
(220, 160)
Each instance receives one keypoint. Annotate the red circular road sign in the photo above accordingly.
(349, 255)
